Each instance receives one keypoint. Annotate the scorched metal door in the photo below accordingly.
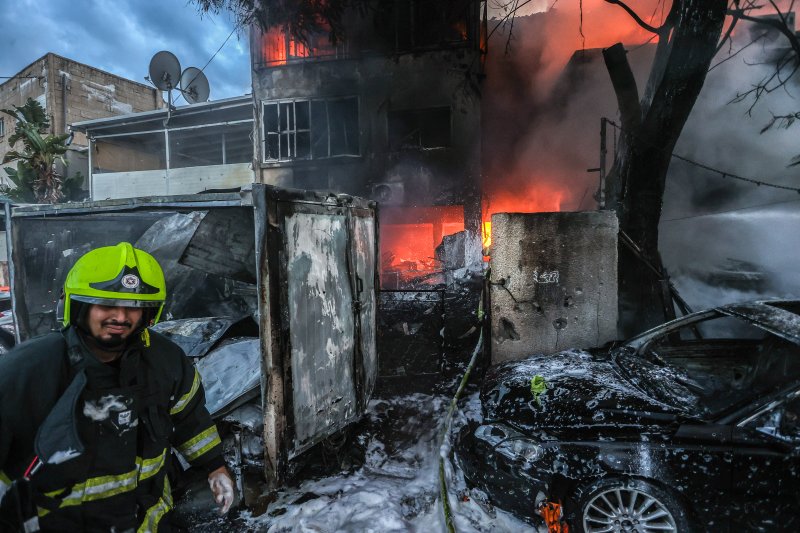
(321, 326)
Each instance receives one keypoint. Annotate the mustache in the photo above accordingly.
(126, 323)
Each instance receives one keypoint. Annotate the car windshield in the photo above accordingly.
(667, 384)
(711, 366)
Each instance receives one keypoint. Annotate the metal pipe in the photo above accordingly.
(63, 102)
(11, 271)
(91, 168)
(601, 203)
(131, 133)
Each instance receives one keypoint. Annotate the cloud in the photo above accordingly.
(121, 36)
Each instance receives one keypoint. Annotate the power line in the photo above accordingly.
(235, 27)
(729, 211)
(722, 173)
(20, 77)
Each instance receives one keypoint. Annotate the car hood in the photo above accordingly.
(583, 392)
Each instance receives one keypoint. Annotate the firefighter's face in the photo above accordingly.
(113, 324)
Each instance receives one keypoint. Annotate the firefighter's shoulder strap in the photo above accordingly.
(59, 430)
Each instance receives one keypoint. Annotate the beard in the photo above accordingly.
(111, 341)
(114, 340)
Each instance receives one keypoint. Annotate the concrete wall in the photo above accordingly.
(190, 180)
(553, 282)
(72, 92)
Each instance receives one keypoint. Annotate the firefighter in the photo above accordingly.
(89, 415)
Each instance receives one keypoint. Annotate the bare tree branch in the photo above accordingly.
(636, 17)
(779, 25)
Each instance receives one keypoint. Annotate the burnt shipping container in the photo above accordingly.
(301, 264)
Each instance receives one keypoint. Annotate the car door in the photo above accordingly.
(766, 463)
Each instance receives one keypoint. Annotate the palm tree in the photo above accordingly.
(35, 178)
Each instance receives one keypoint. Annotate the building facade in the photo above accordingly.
(392, 114)
(71, 92)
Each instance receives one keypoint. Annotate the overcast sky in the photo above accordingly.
(120, 36)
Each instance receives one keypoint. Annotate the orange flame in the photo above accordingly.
(273, 47)
(536, 199)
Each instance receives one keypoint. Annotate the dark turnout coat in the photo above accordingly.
(99, 436)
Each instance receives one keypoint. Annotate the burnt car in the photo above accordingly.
(691, 426)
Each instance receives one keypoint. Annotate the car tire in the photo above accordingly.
(626, 504)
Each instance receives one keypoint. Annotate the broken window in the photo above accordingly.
(276, 47)
(311, 129)
(419, 128)
(420, 24)
(409, 238)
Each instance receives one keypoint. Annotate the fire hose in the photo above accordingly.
(551, 512)
(448, 515)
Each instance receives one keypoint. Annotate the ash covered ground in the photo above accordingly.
(392, 485)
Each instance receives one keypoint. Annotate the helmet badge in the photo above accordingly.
(130, 281)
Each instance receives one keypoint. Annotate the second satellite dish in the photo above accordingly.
(165, 70)
(194, 85)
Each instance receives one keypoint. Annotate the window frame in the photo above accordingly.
(416, 114)
(291, 159)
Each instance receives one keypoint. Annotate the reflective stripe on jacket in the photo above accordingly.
(104, 432)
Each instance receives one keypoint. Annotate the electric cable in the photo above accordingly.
(688, 217)
(235, 27)
(723, 173)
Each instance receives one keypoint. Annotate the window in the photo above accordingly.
(782, 421)
(727, 360)
(130, 153)
(422, 24)
(419, 128)
(311, 129)
(2, 127)
(212, 145)
(276, 47)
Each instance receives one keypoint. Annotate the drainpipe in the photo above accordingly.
(11, 270)
(63, 102)
(601, 203)
(90, 140)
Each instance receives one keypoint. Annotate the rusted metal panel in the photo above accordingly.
(364, 239)
(321, 329)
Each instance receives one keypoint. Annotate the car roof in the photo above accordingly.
(780, 317)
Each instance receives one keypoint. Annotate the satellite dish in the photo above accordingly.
(194, 85)
(165, 70)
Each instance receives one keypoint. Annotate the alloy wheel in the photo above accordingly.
(619, 510)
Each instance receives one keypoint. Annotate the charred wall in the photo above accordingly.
(554, 282)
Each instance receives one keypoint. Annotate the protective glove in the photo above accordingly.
(222, 488)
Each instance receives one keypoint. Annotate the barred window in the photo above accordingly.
(310, 129)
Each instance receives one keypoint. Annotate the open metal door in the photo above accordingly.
(317, 316)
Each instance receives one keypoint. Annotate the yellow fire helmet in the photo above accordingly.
(118, 275)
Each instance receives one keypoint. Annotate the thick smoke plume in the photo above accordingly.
(546, 90)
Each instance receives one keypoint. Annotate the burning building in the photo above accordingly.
(394, 114)
(415, 111)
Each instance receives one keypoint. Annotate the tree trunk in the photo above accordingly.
(644, 154)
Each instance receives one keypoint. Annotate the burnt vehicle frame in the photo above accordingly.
(616, 450)
(242, 256)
